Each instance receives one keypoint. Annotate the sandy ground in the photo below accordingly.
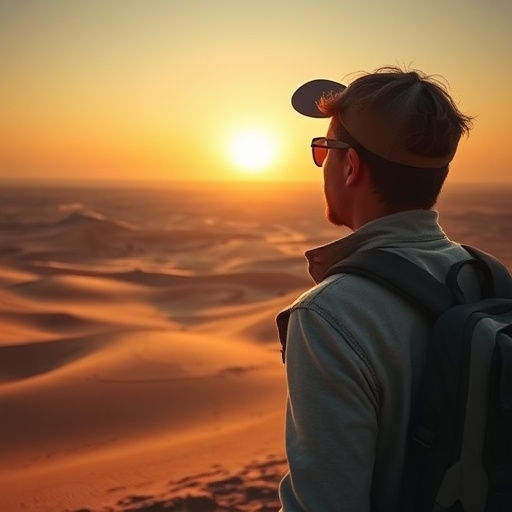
(125, 385)
(139, 363)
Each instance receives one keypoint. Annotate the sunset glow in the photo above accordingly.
(252, 151)
(148, 90)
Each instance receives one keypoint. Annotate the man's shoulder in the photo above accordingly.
(343, 290)
(352, 293)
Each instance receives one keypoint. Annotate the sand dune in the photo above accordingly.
(139, 366)
(89, 235)
(139, 362)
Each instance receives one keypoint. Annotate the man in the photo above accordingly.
(354, 351)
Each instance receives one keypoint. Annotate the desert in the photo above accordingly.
(140, 368)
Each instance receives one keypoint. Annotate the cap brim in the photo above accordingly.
(306, 97)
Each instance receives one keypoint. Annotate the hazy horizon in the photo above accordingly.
(68, 182)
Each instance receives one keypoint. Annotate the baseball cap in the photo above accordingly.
(384, 132)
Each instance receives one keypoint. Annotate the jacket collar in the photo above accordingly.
(395, 230)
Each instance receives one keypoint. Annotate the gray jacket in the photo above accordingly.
(354, 354)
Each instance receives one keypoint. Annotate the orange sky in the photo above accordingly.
(158, 89)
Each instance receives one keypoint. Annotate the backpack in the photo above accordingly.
(459, 450)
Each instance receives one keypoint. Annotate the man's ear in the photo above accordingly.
(352, 167)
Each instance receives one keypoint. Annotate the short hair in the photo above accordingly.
(432, 126)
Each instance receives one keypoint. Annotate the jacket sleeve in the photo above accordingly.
(331, 417)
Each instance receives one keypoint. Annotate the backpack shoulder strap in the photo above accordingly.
(401, 276)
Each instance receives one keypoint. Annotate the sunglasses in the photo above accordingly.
(320, 146)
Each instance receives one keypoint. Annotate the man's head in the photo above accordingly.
(403, 125)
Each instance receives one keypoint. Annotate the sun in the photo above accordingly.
(252, 151)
